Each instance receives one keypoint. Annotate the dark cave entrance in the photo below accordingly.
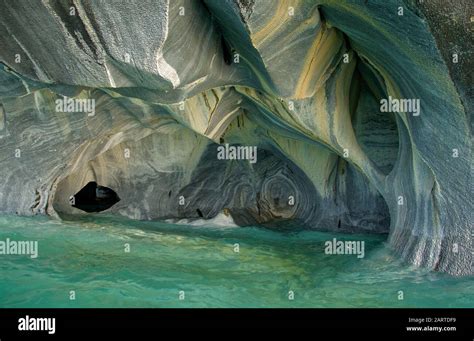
(94, 198)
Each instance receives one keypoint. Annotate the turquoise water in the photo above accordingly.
(88, 256)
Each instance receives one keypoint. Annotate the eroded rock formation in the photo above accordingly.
(301, 80)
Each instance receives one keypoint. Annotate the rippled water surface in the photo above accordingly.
(88, 256)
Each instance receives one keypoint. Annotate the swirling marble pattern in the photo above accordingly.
(301, 80)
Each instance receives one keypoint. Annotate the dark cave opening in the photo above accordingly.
(199, 212)
(94, 198)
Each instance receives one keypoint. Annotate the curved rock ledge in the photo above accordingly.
(301, 81)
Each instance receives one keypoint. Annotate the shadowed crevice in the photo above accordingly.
(94, 198)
